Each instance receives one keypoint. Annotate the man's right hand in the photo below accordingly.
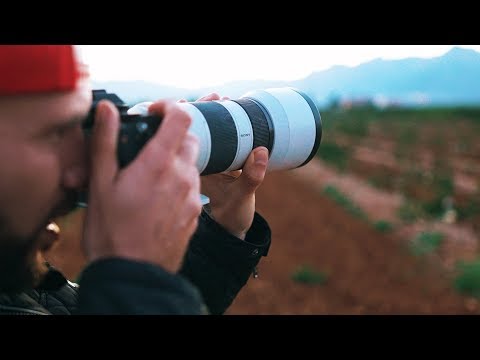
(148, 210)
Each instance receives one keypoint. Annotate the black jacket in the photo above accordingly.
(216, 266)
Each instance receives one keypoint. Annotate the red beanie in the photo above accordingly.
(38, 68)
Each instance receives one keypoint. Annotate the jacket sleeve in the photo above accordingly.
(220, 264)
(121, 286)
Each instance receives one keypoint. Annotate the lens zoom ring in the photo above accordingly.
(261, 123)
(223, 133)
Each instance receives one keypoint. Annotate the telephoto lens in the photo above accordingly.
(284, 120)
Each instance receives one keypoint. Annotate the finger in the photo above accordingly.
(186, 160)
(210, 182)
(188, 204)
(190, 211)
(189, 181)
(189, 149)
(232, 174)
(184, 232)
(168, 139)
(210, 97)
(254, 170)
(182, 101)
(104, 144)
(225, 98)
(195, 205)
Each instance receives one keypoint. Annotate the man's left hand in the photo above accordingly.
(232, 194)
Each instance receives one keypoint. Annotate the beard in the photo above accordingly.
(19, 265)
(21, 262)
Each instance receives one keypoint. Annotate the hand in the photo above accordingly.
(148, 210)
(232, 194)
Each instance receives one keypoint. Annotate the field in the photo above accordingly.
(386, 220)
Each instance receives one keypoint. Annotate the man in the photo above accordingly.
(151, 248)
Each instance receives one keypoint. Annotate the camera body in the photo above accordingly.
(135, 130)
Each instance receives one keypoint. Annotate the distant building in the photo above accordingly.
(347, 104)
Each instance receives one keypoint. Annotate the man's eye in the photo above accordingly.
(59, 133)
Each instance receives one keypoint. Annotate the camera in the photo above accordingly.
(284, 120)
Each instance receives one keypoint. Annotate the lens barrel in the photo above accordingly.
(284, 120)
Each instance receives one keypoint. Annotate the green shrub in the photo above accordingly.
(468, 280)
(409, 212)
(333, 193)
(355, 127)
(334, 155)
(426, 242)
(442, 186)
(307, 275)
(383, 226)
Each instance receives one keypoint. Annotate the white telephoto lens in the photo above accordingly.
(284, 120)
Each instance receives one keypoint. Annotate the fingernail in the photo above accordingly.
(261, 157)
(104, 111)
(105, 116)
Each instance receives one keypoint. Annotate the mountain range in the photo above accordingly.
(452, 79)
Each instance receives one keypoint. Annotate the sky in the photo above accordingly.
(197, 66)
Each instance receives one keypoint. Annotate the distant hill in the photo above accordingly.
(451, 79)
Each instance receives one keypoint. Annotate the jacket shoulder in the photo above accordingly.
(56, 295)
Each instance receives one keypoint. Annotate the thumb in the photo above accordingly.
(253, 171)
(104, 145)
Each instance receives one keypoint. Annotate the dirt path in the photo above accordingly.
(378, 204)
(460, 242)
